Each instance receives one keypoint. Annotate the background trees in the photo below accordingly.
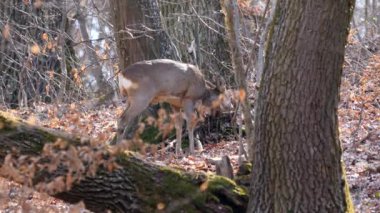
(81, 31)
(30, 67)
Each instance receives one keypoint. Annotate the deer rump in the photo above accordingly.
(163, 80)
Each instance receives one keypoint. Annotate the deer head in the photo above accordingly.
(215, 92)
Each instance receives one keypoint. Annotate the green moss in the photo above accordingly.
(228, 193)
(151, 133)
(8, 122)
(349, 205)
(175, 185)
(219, 182)
(245, 169)
(377, 195)
(178, 186)
(248, 167)
(178, 182)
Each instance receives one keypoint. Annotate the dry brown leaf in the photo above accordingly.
(7, 32)
(45, 36)
(161, 206)
(242, 95)
(38, 4)
(35, 49)
(49, 45)
(69, 181)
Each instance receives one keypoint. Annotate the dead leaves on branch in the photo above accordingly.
(6, 32)
(59, 165)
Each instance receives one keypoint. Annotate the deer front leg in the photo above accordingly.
(188, 107)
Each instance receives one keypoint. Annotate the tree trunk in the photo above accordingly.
(297, 164)
(102, 86)
(232, 21)
(138, 32)
(196, 29)
(135, 186)
(366, 19)
(262, 43)
(376, 16)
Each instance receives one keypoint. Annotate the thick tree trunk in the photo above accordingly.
(297, 163)
(138, 31)
(136, 186)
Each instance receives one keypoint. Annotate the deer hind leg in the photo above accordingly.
(120, 126)
(128, 120)
(178, 124)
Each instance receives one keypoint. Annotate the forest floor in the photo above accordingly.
(359, 119)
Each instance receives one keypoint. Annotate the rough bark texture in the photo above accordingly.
(138, 32)
(297, 163)
(138, 186)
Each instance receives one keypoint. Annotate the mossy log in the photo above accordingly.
(136, 186)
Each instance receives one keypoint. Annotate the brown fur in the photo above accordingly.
(164, 80)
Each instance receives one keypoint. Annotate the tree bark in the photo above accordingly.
(366, 19)
(232, 21)
(196, 29)
(138, 32)
(136, 186)
(376, 16)
(102, 86)
(297, 164)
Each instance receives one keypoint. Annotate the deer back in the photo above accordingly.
(163, 79)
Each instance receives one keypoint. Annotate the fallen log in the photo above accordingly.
(134, 185)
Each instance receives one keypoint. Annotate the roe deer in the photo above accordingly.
(163, 80)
